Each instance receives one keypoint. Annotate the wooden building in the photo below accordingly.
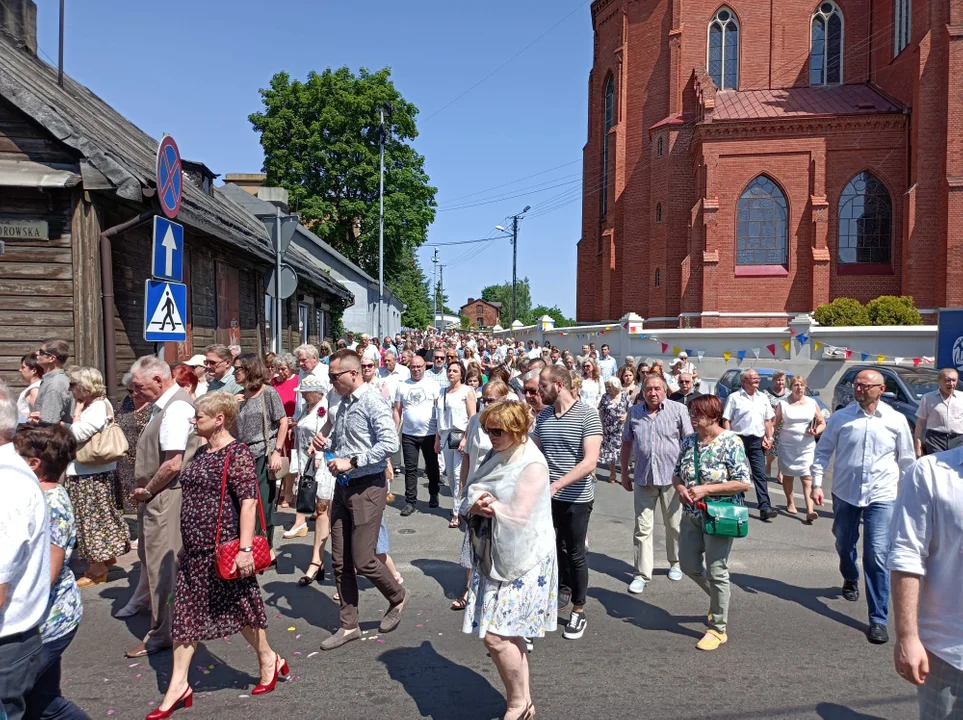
(77, 196)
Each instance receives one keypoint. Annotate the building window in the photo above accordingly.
(322, 325)
(762, 224)
(608, 124)
(902, 25)
(723, 55)
(303, 329)
(659, 147)
(826, 45)
(865, 221)
(658, 212)
(658, 277)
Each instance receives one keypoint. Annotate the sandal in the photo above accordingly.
(310, 577)
(460, 603)
(454, 523)
(89, 580)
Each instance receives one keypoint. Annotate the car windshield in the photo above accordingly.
(919, 385)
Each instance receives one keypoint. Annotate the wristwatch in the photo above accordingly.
(149, 493)
(354, 462)
(245, 549)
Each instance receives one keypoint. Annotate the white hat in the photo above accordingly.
(677, 361)
(311, 383)
(196, 361)
(683, 355)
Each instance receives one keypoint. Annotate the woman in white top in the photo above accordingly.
(102, 534)
(591, 391)
(455, 409)
(514, 584)
(801, 421)
(31, 372)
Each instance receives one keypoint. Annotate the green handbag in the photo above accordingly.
(722, 516)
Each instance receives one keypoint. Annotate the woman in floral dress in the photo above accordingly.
(132, 420)
(205, 606)
(612, 408)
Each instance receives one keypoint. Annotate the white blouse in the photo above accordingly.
(93, 419)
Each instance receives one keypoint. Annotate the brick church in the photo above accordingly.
(750, 160)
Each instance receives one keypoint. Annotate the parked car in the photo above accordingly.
(730, 383)
(905, 387)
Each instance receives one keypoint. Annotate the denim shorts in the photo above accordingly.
(382, 546)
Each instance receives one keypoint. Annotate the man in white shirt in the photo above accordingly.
(392, 373)
(350, 341)
(926, 542)
(369, 351)
(24, 568)
(939, 419)
(608, 365)
(749, 415)
(416, 401)
(309, 364)
(873, 447)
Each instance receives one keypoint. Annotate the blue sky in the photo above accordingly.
(193, 69)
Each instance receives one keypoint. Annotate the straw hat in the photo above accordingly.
(311, 383)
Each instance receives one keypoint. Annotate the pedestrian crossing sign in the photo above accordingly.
(165, 308)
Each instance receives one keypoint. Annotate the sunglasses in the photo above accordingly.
(212, 363)
(494, 432)
(335, 376)
(367, 367)
(46, 353)
(530, 391)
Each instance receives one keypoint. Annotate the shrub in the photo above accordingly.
(842, 312)
(893, 310)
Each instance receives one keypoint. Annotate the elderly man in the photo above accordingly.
(369, 350)
(749, 415)
(309, 364)
(350, 341)
(219, 363)
(415, 415)
(926, 542)
(873, 447)
(392, 373)
(652, 434)
(530, 391)
(939, 419)
(686, 392)
(362, 439)
(439, 369)
(165, 446)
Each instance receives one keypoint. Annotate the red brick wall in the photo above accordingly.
(479, 309)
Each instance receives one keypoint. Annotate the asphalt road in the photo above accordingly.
(796, 648)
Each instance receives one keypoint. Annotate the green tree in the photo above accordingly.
(411, 287)
(465, 322)
(841, 312)
(893, 310)
(553, 312)
(503, 294)
(321, 142)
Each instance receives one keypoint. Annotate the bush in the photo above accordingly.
(842, 312)
(893, 310)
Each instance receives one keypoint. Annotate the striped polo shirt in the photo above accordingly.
(562, 439)
(655, 440)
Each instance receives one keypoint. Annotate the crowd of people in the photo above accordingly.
(207, 452)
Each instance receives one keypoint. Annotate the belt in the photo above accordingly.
(374, 478)
(20, 636)
(941, 433)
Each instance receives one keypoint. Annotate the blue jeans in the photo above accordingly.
(44, 701)
(875, 517)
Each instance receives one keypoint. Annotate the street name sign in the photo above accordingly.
(165, 307)
(168, 253)
(170, 182)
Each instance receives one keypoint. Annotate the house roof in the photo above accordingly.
(801, 102)
(496, 305)
(122, 155)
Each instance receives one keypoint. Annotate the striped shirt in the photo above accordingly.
(655, 439)
(562, 439)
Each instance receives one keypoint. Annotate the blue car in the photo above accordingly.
(730, 383)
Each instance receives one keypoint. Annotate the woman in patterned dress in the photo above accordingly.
(722, 471)
(205, 606)
(517, 596)
(775, 395)
(612, 409)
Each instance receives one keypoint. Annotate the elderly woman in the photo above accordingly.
(613, 408)
(185, 378)
(775, 395)
(798, 423)
(514, 583)
(591, 391)
(220, 493)
(102, 534)
(262, 425)
(712, 462)
(285, 381)
(32, 372)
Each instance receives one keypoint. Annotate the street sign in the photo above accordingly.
(289, 223)
(168, 254)
(169, 179)
(289, 282)
(165, 307)
(949, 340)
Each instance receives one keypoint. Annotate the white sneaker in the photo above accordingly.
(675, 572)
(637, 586)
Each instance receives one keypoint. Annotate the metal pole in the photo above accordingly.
(277, 279)
(434, 294)
(514, 267)
(60, 63)
(381, 230)
(441, 292)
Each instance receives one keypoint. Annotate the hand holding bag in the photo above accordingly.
(226, 554)
(107, 446)
(307, 499)
(721, 516)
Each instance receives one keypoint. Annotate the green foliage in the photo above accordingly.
(842, 312)
(465, 322)
(893, 310)
(411, 287)
(503, 294)
(320, 142)
(553, 312)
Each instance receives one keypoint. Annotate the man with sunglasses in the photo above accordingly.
(873, 448)
(439, 369)
(55, 402)
(415, 414)
(220, 367)
(530, 390)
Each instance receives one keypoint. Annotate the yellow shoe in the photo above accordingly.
(712, 640)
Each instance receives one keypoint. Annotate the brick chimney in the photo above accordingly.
(18, 20)
(249, 182)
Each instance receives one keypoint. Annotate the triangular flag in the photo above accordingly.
(741, 354)
(700, 354)
(676, 349)
(917, 361)
(898, 360)
(817, 345)
(803, 338)
(643, 336)
(785, 345)
(626, 326)
(792, 332)
(771, 348)
(864, 356)
(727, 355)
(755, 351)
(848, 353)
(689, 352)
(665, 346)
(880, 359)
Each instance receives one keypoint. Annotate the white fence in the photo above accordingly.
(803, 347)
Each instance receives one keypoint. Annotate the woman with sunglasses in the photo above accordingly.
(262, 425)
(514, 582)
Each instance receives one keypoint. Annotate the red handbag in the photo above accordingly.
(226, 554)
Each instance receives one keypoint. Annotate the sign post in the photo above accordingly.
(168, 253)
(165, 308)
(949, 340)
(169, 177)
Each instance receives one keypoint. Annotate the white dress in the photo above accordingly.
(309, 424)
(797, 448)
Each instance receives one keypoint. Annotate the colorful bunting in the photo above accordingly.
(803, 338)
(898, 360)
(741, 354)
(676, 349)
(848, 353)
(755, 351)
(665, 346)
(700, 354)
(726, 355)
(817, 345)
(772, 349)
(689, 352)
(880, 359)
(785, 345)
(864, 356)
(917, 361)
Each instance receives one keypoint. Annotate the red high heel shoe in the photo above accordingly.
(281, 672)
(187, 699)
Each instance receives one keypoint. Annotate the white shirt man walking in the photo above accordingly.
(749, 415)
(608, 365)
(652, 434)
(415, 415)
(939, 418)
(873, 447)
(926, 543)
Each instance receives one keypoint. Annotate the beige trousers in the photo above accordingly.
(646, 499)
(159, 534)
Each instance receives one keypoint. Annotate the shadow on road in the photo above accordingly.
(832, 711)
(202, 676)
(439, 686)
(632, 609)
(618, 569)
(809, 598)
(449, 575)
(307, 603)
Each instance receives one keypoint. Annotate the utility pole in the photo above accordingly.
(382, 131)
(514, 267)
(441, 289)
(278, 347)
(434, 273)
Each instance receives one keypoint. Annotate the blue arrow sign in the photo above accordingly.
(168, 253)
(165, 311)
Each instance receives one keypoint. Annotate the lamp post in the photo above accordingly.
(514, 236)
